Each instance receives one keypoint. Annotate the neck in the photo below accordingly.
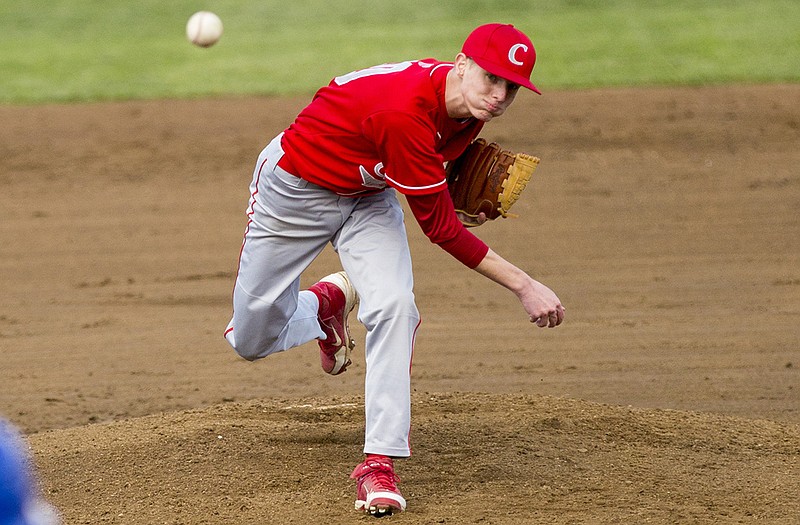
(453, 99)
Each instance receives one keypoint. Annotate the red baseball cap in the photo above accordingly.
(503, 50)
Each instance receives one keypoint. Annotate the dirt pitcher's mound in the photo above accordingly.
(481, 459)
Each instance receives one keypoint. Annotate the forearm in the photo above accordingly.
(503, 273)
(437, 218)
(542, 305)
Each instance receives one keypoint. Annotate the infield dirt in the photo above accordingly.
(667, 221)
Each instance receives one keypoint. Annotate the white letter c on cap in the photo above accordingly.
(512, 53)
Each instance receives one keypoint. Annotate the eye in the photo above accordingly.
(510, 86)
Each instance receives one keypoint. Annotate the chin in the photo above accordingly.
(484, 116)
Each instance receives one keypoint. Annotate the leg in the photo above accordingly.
(290, 222)
(374, 251)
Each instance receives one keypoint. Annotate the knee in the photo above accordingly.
(248, 353)
(248, 348)
(391, 305)
(405, 304)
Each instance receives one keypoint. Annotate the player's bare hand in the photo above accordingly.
(552, 319)
(543, 306)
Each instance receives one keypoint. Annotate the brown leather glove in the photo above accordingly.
(487, 179)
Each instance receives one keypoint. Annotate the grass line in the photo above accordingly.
(80, 50)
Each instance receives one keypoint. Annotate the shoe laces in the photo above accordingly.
(328, 315)
(380, 472)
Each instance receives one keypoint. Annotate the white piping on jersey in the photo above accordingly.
(443, 181)
(440, 65)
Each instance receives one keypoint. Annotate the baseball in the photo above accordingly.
(204, 29)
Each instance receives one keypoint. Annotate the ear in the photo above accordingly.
(460, 64)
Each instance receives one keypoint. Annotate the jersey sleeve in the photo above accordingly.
(437, 217)
(406, 144)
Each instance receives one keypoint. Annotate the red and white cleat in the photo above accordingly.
(377, 492)
(337, 298)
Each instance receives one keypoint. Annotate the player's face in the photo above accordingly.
(486, 96)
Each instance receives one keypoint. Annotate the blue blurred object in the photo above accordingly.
(20, 501)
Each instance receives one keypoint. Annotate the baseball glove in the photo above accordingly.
(488, 179)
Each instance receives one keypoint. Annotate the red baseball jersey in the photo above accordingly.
(382, 126)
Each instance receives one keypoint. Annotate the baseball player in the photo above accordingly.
(21, 501)
(333, 176)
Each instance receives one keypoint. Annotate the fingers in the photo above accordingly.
(552, 319)
(547, 321)
(559, 315)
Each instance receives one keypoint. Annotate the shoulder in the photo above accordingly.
(412, 85)
(406, 71)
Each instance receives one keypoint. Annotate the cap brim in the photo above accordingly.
(502, 72)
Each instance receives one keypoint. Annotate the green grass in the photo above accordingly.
(80, 50)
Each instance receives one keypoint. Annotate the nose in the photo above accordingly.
(500, 91)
